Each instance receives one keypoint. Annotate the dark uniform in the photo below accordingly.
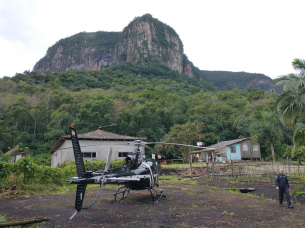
(281, 181)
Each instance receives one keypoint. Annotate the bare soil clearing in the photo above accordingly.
(185, 205)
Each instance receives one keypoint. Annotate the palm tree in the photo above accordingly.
(267, 129)
(291, 104)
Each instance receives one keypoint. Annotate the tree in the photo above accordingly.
(267, 129)
(291, 104)
(242, 125)
(188, 133)
(41, 117)
(18, 115)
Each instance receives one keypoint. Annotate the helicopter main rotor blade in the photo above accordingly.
(154, 150)
(104, 179)
(177, 144)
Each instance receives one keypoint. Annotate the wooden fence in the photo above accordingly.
(263, 172)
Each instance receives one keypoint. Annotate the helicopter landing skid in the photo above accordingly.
(124, 192)
(155, 196)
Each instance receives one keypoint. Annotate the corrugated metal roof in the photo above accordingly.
(12, 151)
(221, 146)
(95, 135)
(228, 143)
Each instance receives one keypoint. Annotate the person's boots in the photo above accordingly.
(290, 206)
(281, 204)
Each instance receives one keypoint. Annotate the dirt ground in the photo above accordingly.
(205, 204)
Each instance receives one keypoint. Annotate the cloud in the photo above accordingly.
(15, 21)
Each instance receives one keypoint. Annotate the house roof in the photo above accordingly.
(12, 151)
(95, 135)
(228, 143)
(221, 146)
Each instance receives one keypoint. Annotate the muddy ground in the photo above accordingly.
(205, 204)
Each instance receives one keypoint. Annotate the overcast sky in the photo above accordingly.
(229, 35)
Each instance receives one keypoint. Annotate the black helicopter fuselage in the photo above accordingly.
(140, 178)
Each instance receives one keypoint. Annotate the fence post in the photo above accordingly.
(208, 173)
(212, 170)
(289, 169)
(190, 153)
(232, 168)
(255, 172)
(272, 167)
(299, 169)
(248, 170)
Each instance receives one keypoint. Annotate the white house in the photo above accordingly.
(95, 145)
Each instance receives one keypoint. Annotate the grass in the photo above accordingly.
(2, 218)
(212, 187)
(183, 165)
(166, 179)
(175, 165)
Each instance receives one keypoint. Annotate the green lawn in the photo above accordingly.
(183, 165)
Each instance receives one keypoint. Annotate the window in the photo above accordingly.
(245, 147)
(123, 154)
(233, 149)
(89, 154)
(255, 148)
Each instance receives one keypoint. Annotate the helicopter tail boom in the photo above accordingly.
(80, 194)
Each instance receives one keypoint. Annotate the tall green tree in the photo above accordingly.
(269, 129)
(18, 115)
(291, 104)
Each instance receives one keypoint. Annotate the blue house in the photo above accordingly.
(237, 149)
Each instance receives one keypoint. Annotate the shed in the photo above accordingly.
(95, 145)
(15, 155)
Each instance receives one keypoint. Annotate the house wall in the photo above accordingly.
(233, 156)
(65, 152)
(248, 154)
(18, 156)
(203, 156)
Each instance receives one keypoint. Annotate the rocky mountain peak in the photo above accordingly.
(145, 39)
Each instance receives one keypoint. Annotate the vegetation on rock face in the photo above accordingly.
(160, 27)
(225, 80)
(100, 41)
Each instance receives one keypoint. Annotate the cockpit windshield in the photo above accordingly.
(133, 158)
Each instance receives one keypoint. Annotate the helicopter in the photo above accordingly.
(137, 173)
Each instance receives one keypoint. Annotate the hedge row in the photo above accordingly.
(32, 172)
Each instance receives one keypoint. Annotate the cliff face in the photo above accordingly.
(263, 84)
(144, 39)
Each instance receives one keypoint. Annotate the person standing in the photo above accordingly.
(281, 184)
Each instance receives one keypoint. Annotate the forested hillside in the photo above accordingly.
(224, 80)
(144, 100)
